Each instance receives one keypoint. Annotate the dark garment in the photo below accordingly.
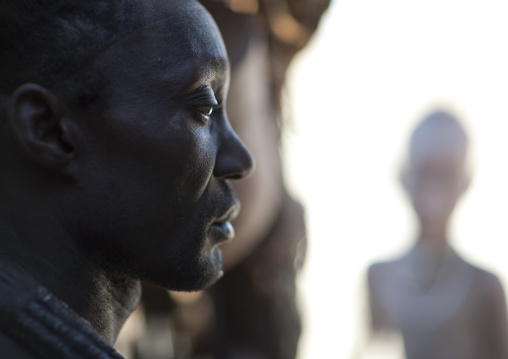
(44, 326)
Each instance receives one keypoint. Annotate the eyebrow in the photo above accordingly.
(201, 92)
(219, 62)
(208, 69)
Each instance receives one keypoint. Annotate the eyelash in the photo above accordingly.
(211, 108)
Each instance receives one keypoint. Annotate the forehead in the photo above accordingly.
(180, 43)
(188, 26)
(438, 145)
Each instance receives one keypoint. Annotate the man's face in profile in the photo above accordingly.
(154, 198)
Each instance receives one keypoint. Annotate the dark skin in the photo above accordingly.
(138, 188)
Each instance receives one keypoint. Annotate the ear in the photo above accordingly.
(37, 118)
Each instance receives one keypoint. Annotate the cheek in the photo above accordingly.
(179, 157)
(199, 165)
(176, 176)
(434, 204)
(148, 173)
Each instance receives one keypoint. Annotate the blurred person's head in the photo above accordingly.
(436, 173)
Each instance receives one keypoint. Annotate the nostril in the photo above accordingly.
(235, 168)
(234, 161)
(244, 169)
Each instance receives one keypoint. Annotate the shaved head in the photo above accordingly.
(53, 43)
(57, 43)
(439, 134)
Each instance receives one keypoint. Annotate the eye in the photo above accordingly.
(205, 111)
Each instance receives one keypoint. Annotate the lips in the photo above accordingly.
(222, 228)
(225, 230)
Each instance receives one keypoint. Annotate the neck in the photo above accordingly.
(42, 249)
(434, 235)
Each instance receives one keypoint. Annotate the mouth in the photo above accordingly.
(222, 228)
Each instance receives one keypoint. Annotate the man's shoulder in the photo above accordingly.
(486, 283)
(486, 286)
(482, 277)
(9, 349)
(382, 268)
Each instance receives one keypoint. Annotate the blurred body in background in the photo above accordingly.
(443, 307)
(252, 311)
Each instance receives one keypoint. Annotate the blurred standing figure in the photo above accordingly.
(444, 307)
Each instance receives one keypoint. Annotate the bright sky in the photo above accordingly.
(374, 68)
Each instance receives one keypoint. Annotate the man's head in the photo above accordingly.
(436, 173)
(117, 128)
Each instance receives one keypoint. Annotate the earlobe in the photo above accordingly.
(37, 118)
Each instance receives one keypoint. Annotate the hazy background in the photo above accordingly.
(373, 70)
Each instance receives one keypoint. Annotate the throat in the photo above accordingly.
(427, 261)
(43, 250)
(111, 299)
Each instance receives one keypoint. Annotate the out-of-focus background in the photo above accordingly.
(372, 71)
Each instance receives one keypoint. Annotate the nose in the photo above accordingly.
(234, 160)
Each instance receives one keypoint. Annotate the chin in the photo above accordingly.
(211, 271)
(194, 276)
